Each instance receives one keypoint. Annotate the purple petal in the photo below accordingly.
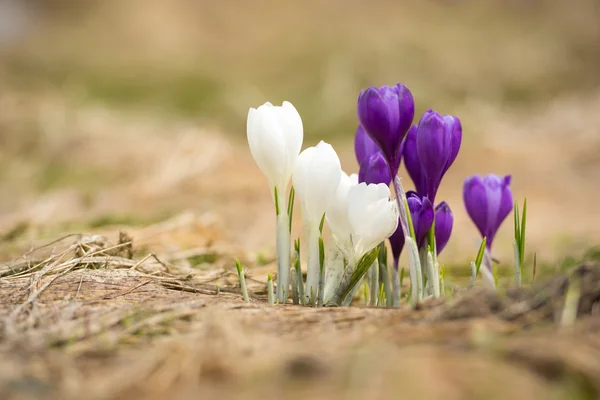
(454, 129)
(412, 161)
(506, 201)
(364, 146)
(373, 116)
(375, 170)
(433, 147)
(476, 203)
(443, 225)
(397, 243)
(406, 105)
(426, 217)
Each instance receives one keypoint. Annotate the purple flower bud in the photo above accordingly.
(422, 214)
(364, 146)
(443, 225)
(397, 243)
(488, 202)
(438, 141)
(375, 170)
(386, 113)
(412, 161)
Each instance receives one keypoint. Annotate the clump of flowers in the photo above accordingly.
(359, 209)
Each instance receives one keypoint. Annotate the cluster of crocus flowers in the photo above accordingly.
(360, 215)
(428, 150)
(358, 208)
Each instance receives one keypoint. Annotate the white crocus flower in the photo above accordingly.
(275, 135)
(359, 221)
(372, 215)
(316, 179)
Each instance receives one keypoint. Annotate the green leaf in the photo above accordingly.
(410, 223)
(276, 200)
(383, 254)
(517, 224)
(322, 223)
(297, 246)
(321, 254)
(522, 238)
(431, 237)
(401, 276)
(361, 269)
(480, 254)
(291, 205)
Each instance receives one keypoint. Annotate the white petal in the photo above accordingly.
(316, 178)
(266, 142)
(337, 212)
(372, 215)
(293, 134)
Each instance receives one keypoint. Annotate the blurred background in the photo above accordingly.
(131, 113)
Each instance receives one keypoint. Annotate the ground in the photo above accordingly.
(127, 191)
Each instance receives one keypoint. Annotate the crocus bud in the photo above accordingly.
(488, 202)
(443, 225)
(397, 243)
(316, 178)
(372, 215)
(438, 142)
(375, 170)
(386, 113)
(422, 214)
(364, 146)
(412, 161)
(275, 136)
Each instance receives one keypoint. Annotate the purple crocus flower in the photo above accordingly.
(375, 170)
(386, 113)
(412, 161)
(443, 225)
(422, 214)
(438, 141)
(488, 201)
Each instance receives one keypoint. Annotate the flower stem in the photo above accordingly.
(401, 200)
(270, 296)
(242, 278)
(396, 286)
(373, 283)
(283, 257)
(333, 275)
(416, 275)
(384, 276)
(517, 263)
(313, 267)
(488, 275)
(414, 264)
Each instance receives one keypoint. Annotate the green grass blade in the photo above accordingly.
(276, 200)
(410, 222)
(322, 223)
(517, 223)
(479, 257)
(522, 233)
(291, 205)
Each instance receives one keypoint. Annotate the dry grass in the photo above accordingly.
(88, 320)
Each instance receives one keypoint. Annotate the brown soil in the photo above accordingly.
(86, 320)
